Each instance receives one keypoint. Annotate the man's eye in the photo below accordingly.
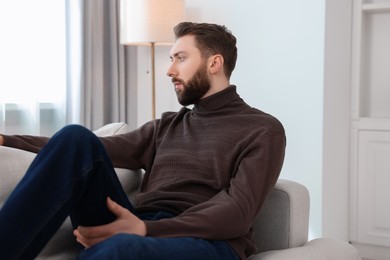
(181, 58)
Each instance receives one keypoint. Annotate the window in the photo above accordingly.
(32, 66)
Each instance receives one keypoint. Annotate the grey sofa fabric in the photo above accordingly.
(283, 220)
(281, 228)
(13, 165)
(316, 249)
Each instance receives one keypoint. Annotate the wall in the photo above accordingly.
(279, 70)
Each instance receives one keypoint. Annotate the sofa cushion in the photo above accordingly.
(319, 249)
(112, 129)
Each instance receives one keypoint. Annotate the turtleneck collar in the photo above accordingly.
(217, 100)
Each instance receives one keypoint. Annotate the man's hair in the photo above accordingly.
(211, 39)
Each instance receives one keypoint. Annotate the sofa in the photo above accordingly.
(280, 229)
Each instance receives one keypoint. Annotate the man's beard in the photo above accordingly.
(195, 88)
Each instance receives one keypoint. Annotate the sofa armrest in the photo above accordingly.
(13, 165)
(283, 221)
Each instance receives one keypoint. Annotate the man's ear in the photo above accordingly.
(216, 63)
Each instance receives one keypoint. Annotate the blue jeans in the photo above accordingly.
(72, 176)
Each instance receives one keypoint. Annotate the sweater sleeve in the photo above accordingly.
(231, 212)
(25, 142)
(133, 150)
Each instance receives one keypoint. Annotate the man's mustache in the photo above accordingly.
(177, 80)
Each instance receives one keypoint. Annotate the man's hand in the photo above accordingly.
(126, 222)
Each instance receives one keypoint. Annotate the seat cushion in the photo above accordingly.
(318, 249)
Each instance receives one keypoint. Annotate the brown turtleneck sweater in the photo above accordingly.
(213, 166)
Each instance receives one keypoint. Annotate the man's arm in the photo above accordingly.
(24, 142)
(133, 150)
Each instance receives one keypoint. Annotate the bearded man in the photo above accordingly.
(208, 171)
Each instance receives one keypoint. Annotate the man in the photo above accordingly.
(207, 171)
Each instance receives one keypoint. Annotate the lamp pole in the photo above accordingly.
(150, 22)
(152, 51)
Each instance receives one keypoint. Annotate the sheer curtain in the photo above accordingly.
(100, 87)
(32, 66)
(60, 63)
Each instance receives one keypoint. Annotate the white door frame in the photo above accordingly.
(337, 82)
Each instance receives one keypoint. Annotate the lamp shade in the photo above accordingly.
(149, 21)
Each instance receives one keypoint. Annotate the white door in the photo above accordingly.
(357, 125)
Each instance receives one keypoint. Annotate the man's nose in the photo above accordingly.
(171, 72)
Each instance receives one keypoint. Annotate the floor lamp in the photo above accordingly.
(150, 22)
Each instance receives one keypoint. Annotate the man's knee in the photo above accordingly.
(75, 135)
(75, 132)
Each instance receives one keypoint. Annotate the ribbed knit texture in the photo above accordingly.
(213, 165)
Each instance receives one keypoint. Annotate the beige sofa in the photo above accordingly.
(281, 228)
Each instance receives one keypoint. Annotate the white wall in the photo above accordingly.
(279, 70)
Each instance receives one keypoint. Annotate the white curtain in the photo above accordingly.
(100, 90)
(60, 63)
(32, 66)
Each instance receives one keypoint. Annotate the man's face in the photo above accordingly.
(188, 71)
